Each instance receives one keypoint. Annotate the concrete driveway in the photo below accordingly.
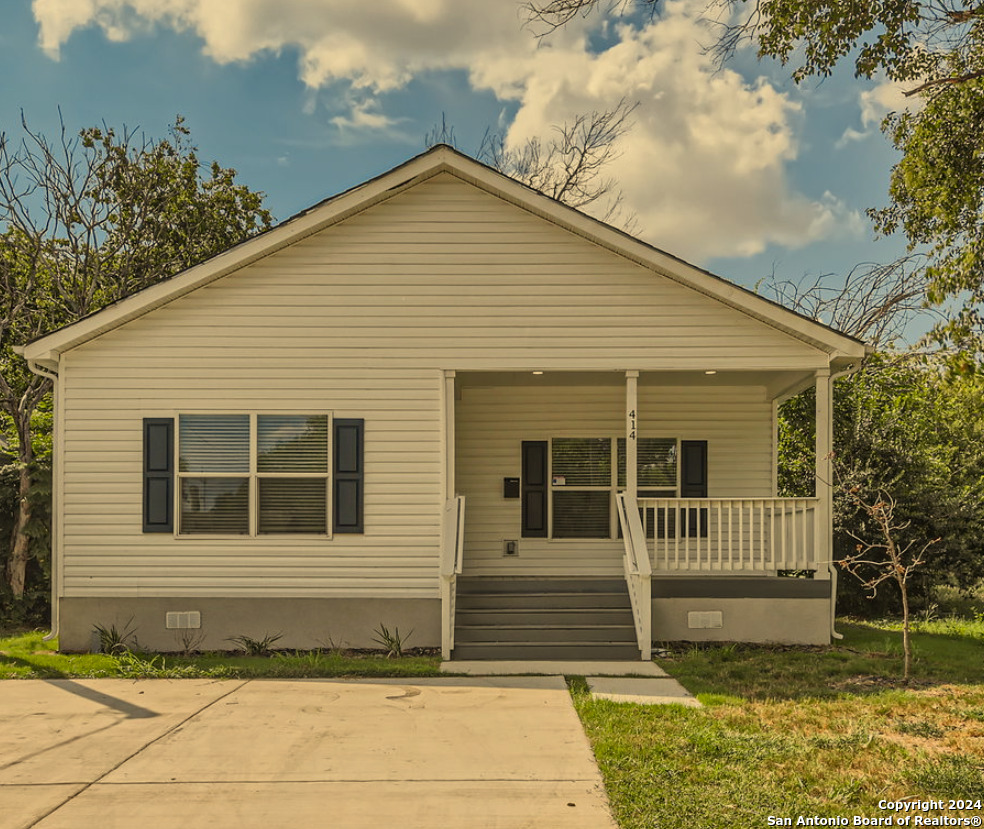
(450, 751)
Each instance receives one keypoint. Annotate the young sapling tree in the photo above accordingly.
(884, 559)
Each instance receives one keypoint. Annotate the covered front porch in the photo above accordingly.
(663, 481)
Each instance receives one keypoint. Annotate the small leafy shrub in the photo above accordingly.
(256, 647)
(391, 640)
(114, 640)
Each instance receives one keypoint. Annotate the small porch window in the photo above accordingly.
(586, 473)
(581, 482)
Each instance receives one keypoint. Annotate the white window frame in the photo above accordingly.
(253, 475)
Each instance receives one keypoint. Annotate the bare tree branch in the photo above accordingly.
(570, 165)
(554, 14)
(874, 302)
(954, 79)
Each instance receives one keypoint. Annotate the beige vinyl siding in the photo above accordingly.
(492, 422)
(446, 275)
(107, 554)
(359, 320)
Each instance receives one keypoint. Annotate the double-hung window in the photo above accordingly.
(586, 473)
(253, 474)
(581, 484)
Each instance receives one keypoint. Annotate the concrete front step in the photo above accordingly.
(583, 634)
(475, 601)
(487, 585)
(545, 650)
(539, 616)
(543, 618)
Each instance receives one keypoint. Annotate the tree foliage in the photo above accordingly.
(86, 220)
(909, 428)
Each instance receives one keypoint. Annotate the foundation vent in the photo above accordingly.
(704, 619)
(181, 619)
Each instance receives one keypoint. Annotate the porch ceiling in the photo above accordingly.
(776, 383)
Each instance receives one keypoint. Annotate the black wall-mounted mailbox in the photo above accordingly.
(510, 487)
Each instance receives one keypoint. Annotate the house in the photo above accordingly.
(439, 401)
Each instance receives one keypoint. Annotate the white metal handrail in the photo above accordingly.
(452, 559)
(638, 572)
(730, 534)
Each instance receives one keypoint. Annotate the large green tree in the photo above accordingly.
(910, 430)
(934, 50)
(85, 220)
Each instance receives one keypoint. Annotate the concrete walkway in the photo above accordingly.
(551, 668)
(644, 683)
(648, 691)
(449, 751)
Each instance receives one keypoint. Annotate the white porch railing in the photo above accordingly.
(638, 573)
(730, 534)
(452, 551)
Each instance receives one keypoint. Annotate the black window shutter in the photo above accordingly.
(158, 475)
(693, 469)
(693, 482)
(348, 476)
(534, 489)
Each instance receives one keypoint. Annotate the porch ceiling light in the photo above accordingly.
(711, 371)
(538, 372)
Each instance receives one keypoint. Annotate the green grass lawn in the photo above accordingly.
(26, 656)
(790, 732)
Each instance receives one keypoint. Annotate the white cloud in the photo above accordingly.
(703, 169)
(886, 97)
(364, 115)
(875, 103)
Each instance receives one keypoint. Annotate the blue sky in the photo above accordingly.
(736, 170)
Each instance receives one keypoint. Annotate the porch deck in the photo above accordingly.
(676, 540)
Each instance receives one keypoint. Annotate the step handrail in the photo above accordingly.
(638, 571)
(452, 560)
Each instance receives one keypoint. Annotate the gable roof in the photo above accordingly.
(442, 158)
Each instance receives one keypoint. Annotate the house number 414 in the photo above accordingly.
(632, 425)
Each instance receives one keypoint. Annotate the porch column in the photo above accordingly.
(823, 528)
(448, 413)
(631, 431)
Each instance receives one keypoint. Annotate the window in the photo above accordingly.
(581, 475)
(656, 463)
(585, 477)
(253, 474)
